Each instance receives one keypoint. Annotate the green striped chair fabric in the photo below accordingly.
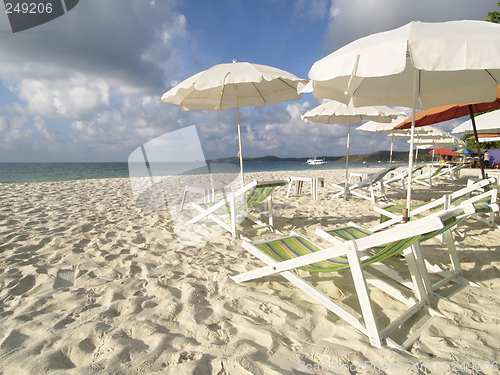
(254, 196)
(481, 207)
(353, 233)
(293, 247)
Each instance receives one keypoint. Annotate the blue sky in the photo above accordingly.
(87, 86)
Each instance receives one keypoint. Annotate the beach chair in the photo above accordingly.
(366, 188)
(296, 252)
(393, 214)
(235, 207)
(429, 178)
(469, 208)
(452, 173)
(400, 178)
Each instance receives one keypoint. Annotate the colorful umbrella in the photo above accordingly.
(448, 112)
(443, 152)
(465, 151)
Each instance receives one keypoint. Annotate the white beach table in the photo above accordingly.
(361, 175)
(314, 181)
(207, 189)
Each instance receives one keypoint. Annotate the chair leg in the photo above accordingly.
(416, 274)
(364, 298)
(450, 243)
(424, 274)
(289, 188)
(270, 209)
(232, 206)
(183, 199)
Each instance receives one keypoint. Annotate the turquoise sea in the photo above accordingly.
(42, 172)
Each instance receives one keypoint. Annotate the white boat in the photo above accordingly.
(316, 161)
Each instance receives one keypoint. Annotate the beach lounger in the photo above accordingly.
(366, 188)
(393, 214)
(235, 207)
(470, 207)
(400, 178)
(452, 173)
(283, 255)
(429, 178)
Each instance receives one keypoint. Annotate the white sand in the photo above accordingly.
(91, 283)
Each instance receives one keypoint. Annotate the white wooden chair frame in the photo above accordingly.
(354, 250)
(232, 226)
(368, 186)
(427, 178)
(444, 201)
(424, 265)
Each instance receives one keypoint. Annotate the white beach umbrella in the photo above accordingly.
(333, 112)
(376, 127)
(485, 123)
(436, 138)
(489, 138)
(235, 85)
(434, 63)
(445, 141)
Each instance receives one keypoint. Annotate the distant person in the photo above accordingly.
(486, 159)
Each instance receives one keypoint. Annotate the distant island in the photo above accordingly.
(401, 156)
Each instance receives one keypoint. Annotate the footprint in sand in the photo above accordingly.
(25, 284)
(13, 341)
(64, 279)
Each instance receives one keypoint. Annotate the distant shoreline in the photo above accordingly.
(397, 156)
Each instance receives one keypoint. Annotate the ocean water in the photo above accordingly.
(43, 172)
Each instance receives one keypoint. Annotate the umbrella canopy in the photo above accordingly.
(433, 138)
(485, 123)
(489, 137)
(333, 112)
(439, 137)
(424, 132)
(443, 151)
(434, 63)
(457, 62)
(449, 112)
(235, 85)
(374, 127)
(464, 151)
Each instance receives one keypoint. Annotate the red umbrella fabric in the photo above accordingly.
(443, 151)
(448, 112)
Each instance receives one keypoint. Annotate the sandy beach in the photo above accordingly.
(90, 283)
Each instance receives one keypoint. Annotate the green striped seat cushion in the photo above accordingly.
(254, 196)
(294, 247)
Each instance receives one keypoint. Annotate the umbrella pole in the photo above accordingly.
(390, 156)
(481, 160)
(412, 138)
(347, 160)
(239, 141)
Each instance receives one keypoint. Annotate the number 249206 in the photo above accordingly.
(31, 8)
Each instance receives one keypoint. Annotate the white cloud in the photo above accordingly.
(73, 98)
(93, 88)
(313, 9)
(353, 19)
